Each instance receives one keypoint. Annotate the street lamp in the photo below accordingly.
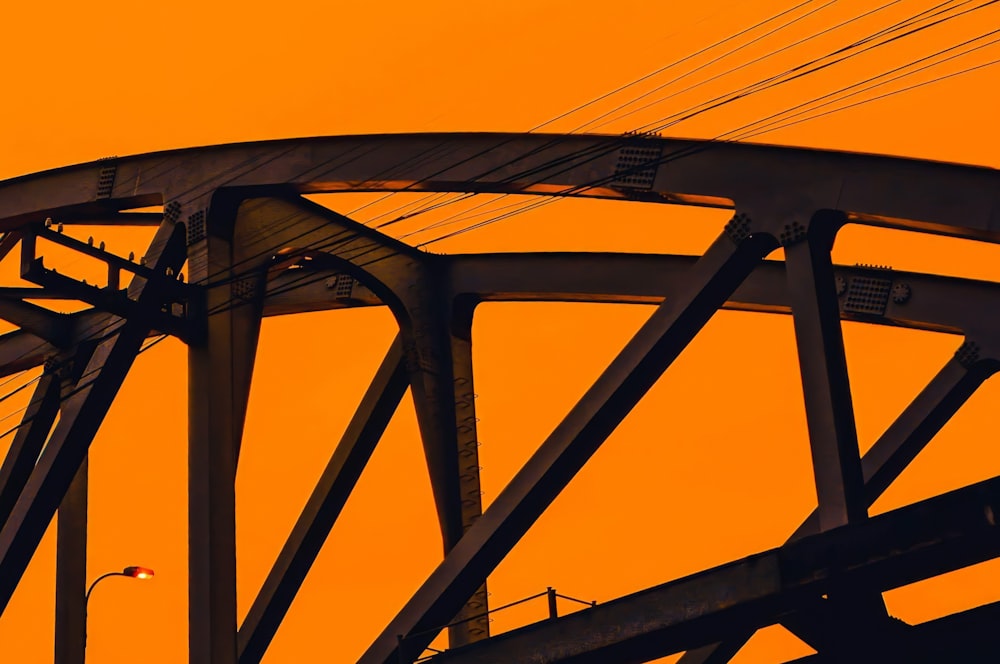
(132, 571)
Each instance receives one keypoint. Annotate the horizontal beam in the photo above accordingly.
(932, 537)
(967, 636)
(39, 321)
(933, 302)
(919, 195)
(938, 304)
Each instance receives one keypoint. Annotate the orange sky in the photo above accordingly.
(711, 466)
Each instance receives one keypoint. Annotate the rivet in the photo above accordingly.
(841, 285)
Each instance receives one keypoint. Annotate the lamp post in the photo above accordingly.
(132, 571)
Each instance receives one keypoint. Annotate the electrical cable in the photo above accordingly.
(835, 110)
(761, 58)
(930, 13)
(711, 62)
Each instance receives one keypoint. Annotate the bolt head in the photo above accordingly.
(901, 292)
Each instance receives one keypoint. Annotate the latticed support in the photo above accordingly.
(235, 216)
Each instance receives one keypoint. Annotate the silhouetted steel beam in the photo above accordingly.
(8, 242)
(850, 614)
(80, 417)
(950, 388)
(937, 303)
(473, 623)
(21, 350)
(915, 542)
(567, 449)
(434, 332)
(967, 636)
(590, 277)
(916, 426)
(71, 572)
(28, 441)
(123, 218)
(428, 343)
(324, 506)
(877, 190)
(110, 298)
(833, 437)
(439, 349)
(36, 320)
(221, 356)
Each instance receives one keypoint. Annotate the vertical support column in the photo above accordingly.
(220, 363)
(833, 437)
(440, 362)
(855, 615)
(71, 572)
(630, 375)
(81, 413)
(473, 623)
(891, 454)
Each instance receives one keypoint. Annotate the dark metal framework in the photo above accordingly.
(254, 247)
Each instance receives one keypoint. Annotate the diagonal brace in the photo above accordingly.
(324, 506)
(668, 331)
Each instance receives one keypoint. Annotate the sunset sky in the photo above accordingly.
(713, 464)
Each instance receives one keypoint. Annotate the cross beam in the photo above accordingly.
(915, 542)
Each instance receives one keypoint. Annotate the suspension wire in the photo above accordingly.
(761, 58)
(252, 163)
(757, 131)
(622, 88)
(553, 199)
(711, 62)
(950, 75)
(14, 376)
(682, 153)
(63, 398)
(427, 199)
(461, 215)
(664, 68)
(795, 73)
(889, 94)
(534, 204)
(531, 205)
(772, 82)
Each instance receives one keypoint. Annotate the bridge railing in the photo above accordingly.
(552, 600)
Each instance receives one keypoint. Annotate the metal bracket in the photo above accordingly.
(112, 298)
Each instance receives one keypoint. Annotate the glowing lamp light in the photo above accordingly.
(137, 572)
(132, 571)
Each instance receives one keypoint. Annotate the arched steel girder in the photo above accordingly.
(636, 279)
(796, 198)
(783, 183)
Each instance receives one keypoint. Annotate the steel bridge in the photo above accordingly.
(254, 246)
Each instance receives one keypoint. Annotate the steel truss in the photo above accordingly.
(255, 247)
